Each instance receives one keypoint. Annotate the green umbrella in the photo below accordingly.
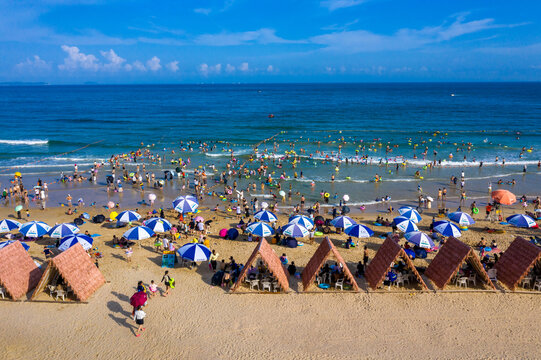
(18, 208)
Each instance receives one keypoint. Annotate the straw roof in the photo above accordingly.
(325, 249)
(516, 262)
(77, 270)
(380, 265)
(272, 261)
(449, 260)
(18, 272)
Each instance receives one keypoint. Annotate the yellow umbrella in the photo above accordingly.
(18, 174)
(113, 215)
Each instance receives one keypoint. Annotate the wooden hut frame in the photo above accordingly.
(516, 262)
(322, 254)
(381, 264)
(76, 269)
(269, 257)
(448, 261)
(18, 272)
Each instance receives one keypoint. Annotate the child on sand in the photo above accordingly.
(153, 288)
(139, 317)
(129, 253)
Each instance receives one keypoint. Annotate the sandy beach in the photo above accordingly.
(201, 321)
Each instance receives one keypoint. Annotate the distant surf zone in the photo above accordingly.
(33, 142)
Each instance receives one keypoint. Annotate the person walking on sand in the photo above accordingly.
(129, 253)
(168, 281)
(139, 317)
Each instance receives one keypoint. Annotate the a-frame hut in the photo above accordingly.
(18, 272)
(448, 261)
(516, 262)
(269, 257)
(325, 249)
(76, 269)
(387, 254)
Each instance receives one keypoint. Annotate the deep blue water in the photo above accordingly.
(41, 122)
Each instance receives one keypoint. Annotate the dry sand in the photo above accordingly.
(201, 321)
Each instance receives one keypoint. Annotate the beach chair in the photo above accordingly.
(267, 285)
(526, 282)
(537, 285)
(276, 286)
(463, 281)
(60, 293)
(2, 292)
(339, 284)
(492, 274)
(253, 284)
(472, 279)
(399, 280)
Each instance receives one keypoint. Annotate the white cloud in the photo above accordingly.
(207, 70)
(115, 61)
(270, 68)
(404, 39)
(137, 65)
(244, 67)
(173, 66)
(154, 64)
(35, 63)
(261, 36)
(204, 69)
(128, 67)
(204, 11)
(229, 69)
(340, 4)
(77, 59)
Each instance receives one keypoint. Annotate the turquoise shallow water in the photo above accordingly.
(42, 126)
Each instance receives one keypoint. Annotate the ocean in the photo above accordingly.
(48, 129)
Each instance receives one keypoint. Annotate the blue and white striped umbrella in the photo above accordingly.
(410, 213)
(404, 224)
(260, 229)
(138, 233)
(7, 225)
(420, 239)
(70, 240)
(265, 215)
(303, 221)
(342, 222)
(359, 231)
(127, 216)
(3, 244)
(34, 229)
(520, 220)
(447, 228)
(185, 204)
(194, 252)
(295, 230)
(461, 218)
(158, 224)
(62, 230)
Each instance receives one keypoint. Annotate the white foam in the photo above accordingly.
(24, 142)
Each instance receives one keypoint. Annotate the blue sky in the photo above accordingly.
(184, 41)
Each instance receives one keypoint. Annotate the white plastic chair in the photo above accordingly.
(526, 282)
(60, 293)
(276, 286)
(339, 284)
(267, 285)
(492, 274)
(254, 283)
(537, 285)
(2, 292)
(399, 280)
(472, 279)
(463, 281)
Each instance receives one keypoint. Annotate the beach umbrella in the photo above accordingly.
(504, 197)
(461, 218)
(520, 220)
(199, 219)
(70, 240)
(62, 230)
(194, 252)
(7, 225)
(359, 231)
(34, 229)
(127, 216)
(420, 239)
(3, 244)
(410, 213)
(138, 299)
(260, 229)
(302, 220)
(264, 205)
(232, 234)
(158, 224)
(447, 228)
(295, 230)
(138, 233)
(265, 215)
(18, 208)
(404, 224)
(342, 222)
(185, 204)
(410, 253)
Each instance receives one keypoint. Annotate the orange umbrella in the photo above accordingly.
(504, 197)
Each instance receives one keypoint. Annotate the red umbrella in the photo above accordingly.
(504, 197)
(138, 299)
